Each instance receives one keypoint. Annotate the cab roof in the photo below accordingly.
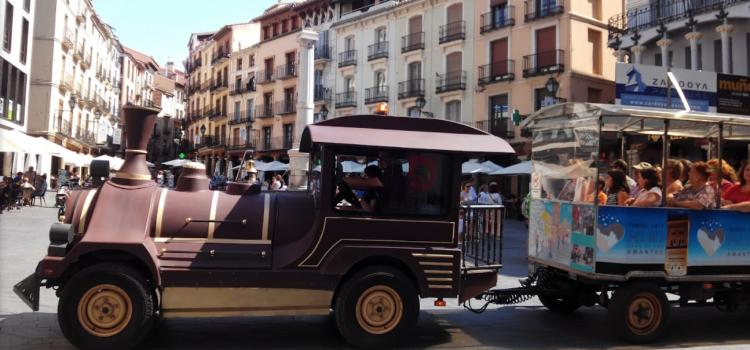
(381, 131)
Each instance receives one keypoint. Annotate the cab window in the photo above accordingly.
(392, 182)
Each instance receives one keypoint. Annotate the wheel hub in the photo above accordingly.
(379, 310)
(105, 310)
(644, 314)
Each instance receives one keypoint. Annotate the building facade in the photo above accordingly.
(73, 78)
(15, 63)
(242, 96)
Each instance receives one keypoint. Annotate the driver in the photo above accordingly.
(369, 200)
(393, 181)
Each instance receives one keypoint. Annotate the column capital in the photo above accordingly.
(638, 49)
(620, 54)
(664, 42)
(694, 36)
(725, 28)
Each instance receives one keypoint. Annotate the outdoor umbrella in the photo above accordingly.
(114, 163)
(149, 164)
(492, 166)
(474, 168)
(273, 166)
(518, 169)
(349, 166)
(230, 173)
(176, 163)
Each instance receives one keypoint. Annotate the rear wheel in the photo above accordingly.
(561, 305)
(106, 306)
(377, 308)
(639, 312)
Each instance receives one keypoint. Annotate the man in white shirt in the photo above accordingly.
(276, 183)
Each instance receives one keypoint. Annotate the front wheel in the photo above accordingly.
(377, 308)
(106, 306)
(561, 305)
(639, 312)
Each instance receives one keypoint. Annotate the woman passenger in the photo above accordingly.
(728, 176)
(698, 194)
(650, 182)
(618, 187)
(738, 193)
(674, 171)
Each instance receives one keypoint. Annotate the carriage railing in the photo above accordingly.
(482, 237)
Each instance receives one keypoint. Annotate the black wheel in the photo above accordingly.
(106, 306)
(561, 305)
(377, 308)
(639, 312)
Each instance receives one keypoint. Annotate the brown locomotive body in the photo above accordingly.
(129, 251)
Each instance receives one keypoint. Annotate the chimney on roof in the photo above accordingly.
(170, 67)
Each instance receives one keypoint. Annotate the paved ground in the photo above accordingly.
(23, 240)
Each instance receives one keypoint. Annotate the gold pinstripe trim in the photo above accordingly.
(439, 272)
(266, 215)
(130, 176)
(325, 222)
(439, 286)
(160, 211)
(429, 263)
(440, 256)
(85, 211)
(435, 279)
(206, 240)
(212, 215)
(136, 151)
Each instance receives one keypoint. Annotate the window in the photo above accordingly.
(237, 109)
(283, 25)
(288, 135)
(8, 31)
(595, 47)
(407, 183)
(453, 111)
(24, 40)
(27, 6)
(380, 35)
(295, 22)
(414, 112)
(380, 79)
(239, 64)
(543, 98)
(349, 84)
(252, 60)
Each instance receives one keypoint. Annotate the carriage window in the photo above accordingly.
(313, 177)
(393, 183)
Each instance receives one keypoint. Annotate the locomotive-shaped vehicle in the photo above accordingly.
(130, 252)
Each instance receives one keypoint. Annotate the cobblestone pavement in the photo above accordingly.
(23, 241)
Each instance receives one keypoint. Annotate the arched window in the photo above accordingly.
(453, 111)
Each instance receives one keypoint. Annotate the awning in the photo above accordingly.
(27, 144)
(273, 166)
(523, 168)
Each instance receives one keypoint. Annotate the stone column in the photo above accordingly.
(620, 55)
(298, 162)
(664, 44)
(638, 51)
(725, 30)
(693, 37)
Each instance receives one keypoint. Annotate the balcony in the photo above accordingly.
(197, 63)
(206, 85)
(66, 83)
(78, 53)
(286, 71)
(452, 31)
(241, 118)
(274, 143)
(538, 9)
(67, 42)
(235, 89)
(346, 99)
(411, 88)
(450, 82)
(264, 111)
(412, 42)
(86, 63)
(377, 51)
(63, 127)
(79, 92)
(150, 85)
(376, 94)
(221, 56)
(249, 85)
(265, 76)
(217, 113)
(322, 94)
(286, 107)
(499, 127)
(543, 63)
(322, 53)
(80, 18)
(499, 19)
(85, 136)
(238, 144)
(496, 72)
(207, 112)
(219, 85)
(348, 58)
(218, 142)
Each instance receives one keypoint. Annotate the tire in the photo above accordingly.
(561, 305)
(639, 312)
(101, 291)
(393, 304)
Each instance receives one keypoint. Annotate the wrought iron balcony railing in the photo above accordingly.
(497, 19)
(543, 63)
(412, 42)
(451, 81)
(265, 76)
(411, 88)
(499, 127)
(286, 71)
(322, 52)
(496, 72)
(537, 9)
(346, 99)
(321, 93)
(264, 111)
(348, 58)
(241, 117)
(452, 31)
(376, 94)
(286, 107)
(377, 50)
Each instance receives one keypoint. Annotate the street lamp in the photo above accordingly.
(323, 112)
(72, 102)
(421, 102)
(552, 86)
(97, 114)
(203, 130)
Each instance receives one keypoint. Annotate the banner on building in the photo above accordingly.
(116, 136)
(101, 136)
(733, 94)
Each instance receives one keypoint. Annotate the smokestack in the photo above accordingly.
(170, 67)
(139, 123)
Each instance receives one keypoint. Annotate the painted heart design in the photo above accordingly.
(711, 241)
(607, 237)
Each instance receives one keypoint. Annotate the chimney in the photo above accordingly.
(139, 123)
(170, 67)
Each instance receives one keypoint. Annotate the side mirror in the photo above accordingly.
(99, 171)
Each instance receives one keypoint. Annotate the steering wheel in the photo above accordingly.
(346, 193)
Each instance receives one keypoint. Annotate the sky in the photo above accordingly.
(162, 28)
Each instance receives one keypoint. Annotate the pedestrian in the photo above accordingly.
(283, 185)
(160, 178)
(170, 178)
(494, 197)
(31, 174)
(483, 195)
(276, 183)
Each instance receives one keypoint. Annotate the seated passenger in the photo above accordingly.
(623, 165)
(618, 187)
(650, 182)
(636, 189)
(728, 176)
(369, 200)
(599, 190)
(687, 166)
(698, 194)
(740, 192)
(674, 172)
